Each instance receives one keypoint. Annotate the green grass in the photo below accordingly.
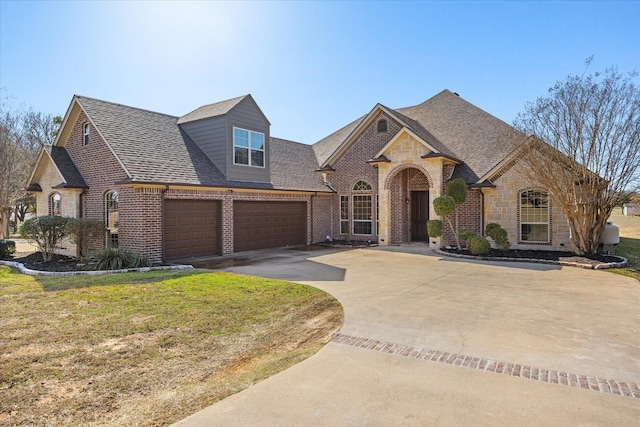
(629, 246)
(147, 348)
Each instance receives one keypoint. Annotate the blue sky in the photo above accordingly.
(311, 66)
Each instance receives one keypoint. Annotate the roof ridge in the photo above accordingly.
(80, 97)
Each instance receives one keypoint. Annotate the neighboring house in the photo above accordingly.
(631, 209)
(215, 182)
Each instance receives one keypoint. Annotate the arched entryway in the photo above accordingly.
(408, 187)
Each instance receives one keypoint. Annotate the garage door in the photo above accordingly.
(259, 225)
(192, 228)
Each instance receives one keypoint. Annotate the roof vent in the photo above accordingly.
(456, 93)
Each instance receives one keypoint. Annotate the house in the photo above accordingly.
(631, 209)
(215, 182)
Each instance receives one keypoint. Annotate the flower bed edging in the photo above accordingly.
(25, 270)
(623, 263)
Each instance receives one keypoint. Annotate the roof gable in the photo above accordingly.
(469, 133)
(219, 109)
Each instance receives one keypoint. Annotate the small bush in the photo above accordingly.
(87, 234)
(434, 228)
(7, 248)
(118, 259)
(478, 245)
(498, 235)
(465, 233)
(46, 231)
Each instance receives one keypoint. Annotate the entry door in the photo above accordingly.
(419, 215)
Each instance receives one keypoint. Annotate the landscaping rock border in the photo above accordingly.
(25, 270)
(605, 265)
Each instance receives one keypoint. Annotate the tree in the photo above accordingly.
(22, 135)
(46, 231)
(455, 194)
(584, 149)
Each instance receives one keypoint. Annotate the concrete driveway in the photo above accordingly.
(429, 340)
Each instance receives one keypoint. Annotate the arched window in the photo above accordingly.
(382, 126)
(55, 204)
(534, 216)
(362, 186)
(111, 217)
(362, 209)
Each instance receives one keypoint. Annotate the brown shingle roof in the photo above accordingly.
(70, 173)
(153, 149)
(468, 133)
(293, 166)
(211, 110)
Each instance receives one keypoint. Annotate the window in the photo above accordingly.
(344, 214)
(534, 216)
(362, 210)
(85, 133)
(55, 204)
(362, 214)
(111, 218)
(248, 148)
(382, 126)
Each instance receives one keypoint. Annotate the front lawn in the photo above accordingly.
(147, 348)
(629, 246)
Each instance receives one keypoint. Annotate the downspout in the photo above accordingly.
(311, 204)
(162, 193)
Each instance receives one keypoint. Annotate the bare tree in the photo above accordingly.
(585, 148)
(22, 135)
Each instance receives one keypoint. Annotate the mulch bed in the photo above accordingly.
(542, 255)
(34, 261)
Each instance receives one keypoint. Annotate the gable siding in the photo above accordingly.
(211, 136)
(246, 115)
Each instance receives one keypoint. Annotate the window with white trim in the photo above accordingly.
(534, 216)
(344, 214)
(362, 209)
(85, 133)
(55, 204)
(111, 217)
(248, 147)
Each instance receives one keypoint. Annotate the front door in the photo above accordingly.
(419, 215)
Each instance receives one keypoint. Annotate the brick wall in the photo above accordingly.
(352, 167)
(469, 217)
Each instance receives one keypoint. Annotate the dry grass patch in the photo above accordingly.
(147, 348)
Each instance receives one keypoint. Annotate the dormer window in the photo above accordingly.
(382, 126)
(85, 133)
(248, 148)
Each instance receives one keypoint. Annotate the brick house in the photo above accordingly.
(215, 182)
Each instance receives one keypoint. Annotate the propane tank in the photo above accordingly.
(611, 235)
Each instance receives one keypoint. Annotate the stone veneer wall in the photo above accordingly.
(69, 200)
(395, 179)
(501, 205)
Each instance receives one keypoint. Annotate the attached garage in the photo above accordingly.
(260, 225)
(192, 228)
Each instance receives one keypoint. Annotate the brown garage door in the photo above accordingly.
(192, 228)
(259, 225)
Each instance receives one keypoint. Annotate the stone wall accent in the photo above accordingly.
(406, 171)
(501, 205)
(69, 200)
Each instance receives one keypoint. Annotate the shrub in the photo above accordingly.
(7, 248)
(118, 259)
(478, 245)
(465, 233)
(46, 231)
(434, 228)
(87, 234)
(498, 234)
